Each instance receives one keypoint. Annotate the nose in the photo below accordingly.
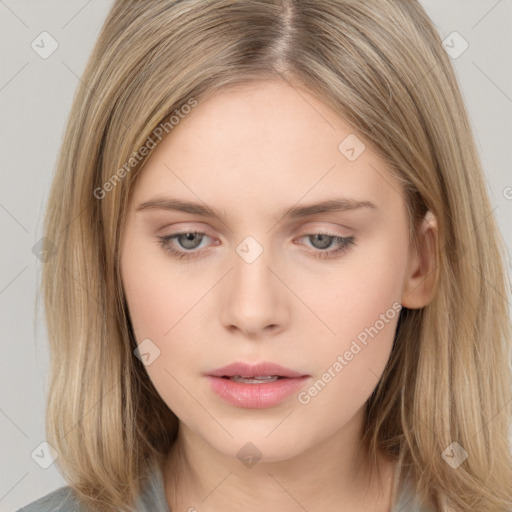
(253, 297)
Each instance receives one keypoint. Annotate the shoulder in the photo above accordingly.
(409, 501)
(62, 499)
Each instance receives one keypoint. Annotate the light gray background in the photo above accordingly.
(35, 98)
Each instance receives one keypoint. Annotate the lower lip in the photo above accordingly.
(255, 396)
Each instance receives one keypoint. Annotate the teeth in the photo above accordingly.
(255, 380)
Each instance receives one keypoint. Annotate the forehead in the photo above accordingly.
(265, 143)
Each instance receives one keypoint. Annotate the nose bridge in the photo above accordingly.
(254, 299)
(251, 272)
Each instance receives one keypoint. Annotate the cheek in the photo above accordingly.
(165, 304)
(161, 306)
(365, 284)
(362, 307)
(158, 295)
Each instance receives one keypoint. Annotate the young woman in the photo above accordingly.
(278, 283)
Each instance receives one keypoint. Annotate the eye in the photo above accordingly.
(189, 241)
(326, 240)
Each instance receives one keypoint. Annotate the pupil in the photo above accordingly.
(189, 237)
(325, 240)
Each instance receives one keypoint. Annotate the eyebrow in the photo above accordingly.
(329, 205)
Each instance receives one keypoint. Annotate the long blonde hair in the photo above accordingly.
(381, 66)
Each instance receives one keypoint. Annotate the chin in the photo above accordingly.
(253, 446)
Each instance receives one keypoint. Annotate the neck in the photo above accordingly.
(333, 475)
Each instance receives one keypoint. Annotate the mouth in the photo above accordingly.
(257, 386)
(263, 371)
(260, 379)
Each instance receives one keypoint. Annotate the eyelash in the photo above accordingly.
(344, 244)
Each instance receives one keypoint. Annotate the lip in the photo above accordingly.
(247, 370)
(255, 396)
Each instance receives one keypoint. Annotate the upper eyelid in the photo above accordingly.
(309, 231)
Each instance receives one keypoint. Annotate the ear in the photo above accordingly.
(418, 288)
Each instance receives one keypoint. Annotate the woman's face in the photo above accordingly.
(258, 284)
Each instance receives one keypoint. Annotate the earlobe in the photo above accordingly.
(419, 282)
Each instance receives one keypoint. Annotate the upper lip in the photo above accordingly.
(247, 370)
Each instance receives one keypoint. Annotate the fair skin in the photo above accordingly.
(252, 152)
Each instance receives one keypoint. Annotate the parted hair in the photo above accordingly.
(381, 66)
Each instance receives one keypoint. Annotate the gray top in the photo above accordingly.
(153, 499)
